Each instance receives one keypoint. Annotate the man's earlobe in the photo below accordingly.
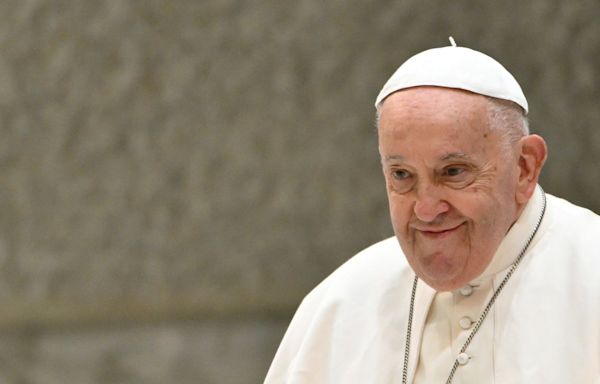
(531, 161)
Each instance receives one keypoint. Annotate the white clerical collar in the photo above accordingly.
(516, 237)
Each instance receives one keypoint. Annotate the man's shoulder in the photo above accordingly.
(352, 306)
(572, 230)
(369, 273)
(385, 255)
(573, 217)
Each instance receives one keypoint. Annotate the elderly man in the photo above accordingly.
(487, 280)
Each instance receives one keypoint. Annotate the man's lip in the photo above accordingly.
(437, 232)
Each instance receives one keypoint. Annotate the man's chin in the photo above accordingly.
(443, 273)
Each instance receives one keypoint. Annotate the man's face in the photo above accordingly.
(451, 182)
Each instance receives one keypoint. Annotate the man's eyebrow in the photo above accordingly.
(449, 156)
(393, 157)
(456, 156)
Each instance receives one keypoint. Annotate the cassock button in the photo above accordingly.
(463, 358)
(465, 322)
(466, 290)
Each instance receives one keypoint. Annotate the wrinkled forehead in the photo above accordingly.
(433, 103)
(433, 126)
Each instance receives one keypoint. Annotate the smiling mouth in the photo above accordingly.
(438, 233)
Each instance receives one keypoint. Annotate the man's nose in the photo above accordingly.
(429, 204)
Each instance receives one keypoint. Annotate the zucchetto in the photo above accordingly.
(455, 67)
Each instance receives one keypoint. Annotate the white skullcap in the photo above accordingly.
(455, 67)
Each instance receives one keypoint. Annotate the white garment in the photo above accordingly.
(543, 328)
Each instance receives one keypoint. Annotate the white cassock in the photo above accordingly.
(543, 328)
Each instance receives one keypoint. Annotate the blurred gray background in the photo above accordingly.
(177, 175)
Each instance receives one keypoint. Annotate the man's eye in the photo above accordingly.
(458, 176)
(454, 171)
(400, 174)
(401, 180)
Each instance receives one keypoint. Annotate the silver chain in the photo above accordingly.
(485, 312)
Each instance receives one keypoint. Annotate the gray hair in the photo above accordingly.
(508, 118)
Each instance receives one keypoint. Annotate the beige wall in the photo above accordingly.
(176, 175)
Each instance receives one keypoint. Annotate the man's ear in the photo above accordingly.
(531, 160)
